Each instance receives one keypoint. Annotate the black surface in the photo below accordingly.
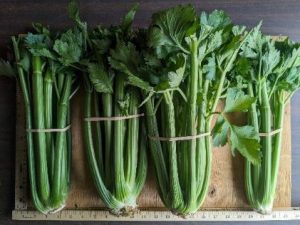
(279, 16)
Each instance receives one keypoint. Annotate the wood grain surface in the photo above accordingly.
(16, 16)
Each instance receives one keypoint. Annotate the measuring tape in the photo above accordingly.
(93, 215)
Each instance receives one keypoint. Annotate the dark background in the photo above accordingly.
(280, 17)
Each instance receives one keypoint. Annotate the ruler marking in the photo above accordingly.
(93, 215)
(21, 158)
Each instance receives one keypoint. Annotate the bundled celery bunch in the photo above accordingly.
(182, 72)
(44, 70)
(116, 149)
(268, 70)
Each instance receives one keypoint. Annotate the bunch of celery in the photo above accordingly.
(268, 70)
(116, 150)
(46, 77)
(182, 72)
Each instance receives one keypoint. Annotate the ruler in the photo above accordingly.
(21, 156)
(145, 215)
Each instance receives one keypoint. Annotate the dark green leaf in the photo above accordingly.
(126, 60)
(290, 80)
(39, 45)
(69, 47)
(243, 67)
(220, 131)
(73, 12)
(99, 78)
(172, 74)
(151, 60)
(169, 29)
(246, 141)
(237, 101)
(102, 45)
(41, 29)
(128, 19)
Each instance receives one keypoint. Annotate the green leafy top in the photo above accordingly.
(107, 48)
(73, 12)
(162, 63)
(265, 60)
(265, 76)
(69, 47)
(63, 50)
(169, 29)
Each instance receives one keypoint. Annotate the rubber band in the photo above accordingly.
(113, 118)
(182, 138)
(270, 133)
(50, 130)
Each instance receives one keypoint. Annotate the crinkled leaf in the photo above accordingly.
(245, 140)
(73, 12)
(174, 73)
(220, 131)
(215, 41)
(270, 59)
(169, 29)
(126, 54)
(174, 79)
(126, 59)
(237, 101)
(243, 67)
(238, 30)
(41, 29)
(69, 47)
(228, 51)
(210, 68)
(151, 60)
(39, 45)
(216, 19)
(290, 80)
(99, 78)
(102, 45)
(128, 18)
(177, 67)
(253, 43)
(42, 52)
(131, 77)
(136, 81)
(35, 40)
(202, 50)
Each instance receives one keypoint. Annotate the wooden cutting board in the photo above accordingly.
(226, 190)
